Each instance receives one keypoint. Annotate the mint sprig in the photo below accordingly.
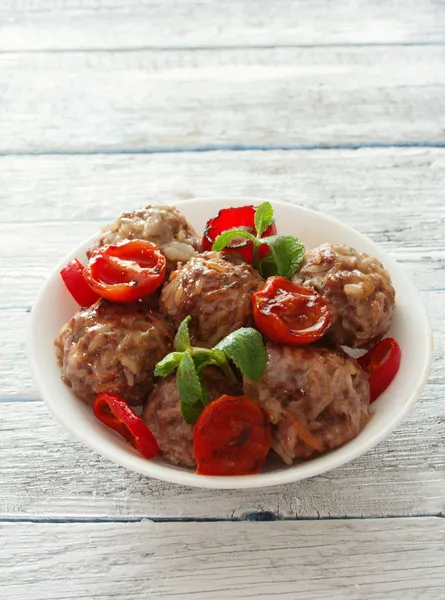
(263, 218)
(192, 393)
(286, 251)
(244, 348)
(182, 337)
(223, 240)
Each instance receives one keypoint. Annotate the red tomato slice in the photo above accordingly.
(231, 437)
(72, 275)
(242, 217)
(288, 313)
(115, 413)
(381, 363)
(126, 271)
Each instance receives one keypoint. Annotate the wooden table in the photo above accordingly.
(106, 105)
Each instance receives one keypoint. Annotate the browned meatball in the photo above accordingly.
(358, 290)
(315, 390)
(164, 226)
(113, 347)
(216, 291)
(162, 414)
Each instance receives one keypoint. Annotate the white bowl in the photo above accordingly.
(54, 306)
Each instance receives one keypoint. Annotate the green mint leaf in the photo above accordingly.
(287, 251)
(263, 217)
(190, 390)
(223, 240)
(246, 349)
(168, 364)
(182, 337)
(268, 266)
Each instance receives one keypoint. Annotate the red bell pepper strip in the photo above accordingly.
(126, 271)
(72, 275)
(381, 363)
(115, 413)
(231, 437)
(288, 313)
(242, 217)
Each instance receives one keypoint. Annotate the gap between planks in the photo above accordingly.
(206, 148)
(340, 45)
(254, 517)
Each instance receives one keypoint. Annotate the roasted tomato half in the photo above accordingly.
(231, 437)
(288, 313)
(126, 271)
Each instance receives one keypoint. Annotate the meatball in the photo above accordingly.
(358, 290)
(216, 290)
(162, 414)
(164, 226)
(112, 347)
(311, 394)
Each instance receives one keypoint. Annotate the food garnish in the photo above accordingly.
(288, 313)
(113, 411)
(232, 437)
(243, 347)
(248, 219)
(72, 275)
(126, 271)
(286, 251)
(381, 363)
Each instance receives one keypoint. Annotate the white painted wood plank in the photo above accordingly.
(16, 381)
(390, 559)
(354, 185)
(131, 101)
(32, 251)
(45, 473)
(101, 24)
(50, 204)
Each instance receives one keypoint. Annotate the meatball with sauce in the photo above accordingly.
(216, 291)
(162, 415)
(112, 347)
(164, 226)
(358, 289)
(316, 399)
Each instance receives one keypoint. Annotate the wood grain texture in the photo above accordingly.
(353, 185)
(390, 559)
(54, 203)
(88, 76)
(49, 204)
(111, 24)
(16, 381)
(47, 474)
(139, 101)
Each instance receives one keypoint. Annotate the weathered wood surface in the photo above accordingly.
(88, 76)
(140, 101)
(371, 559)
(48, 205)
(110, 24)
(46, 474)
(361, 187)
